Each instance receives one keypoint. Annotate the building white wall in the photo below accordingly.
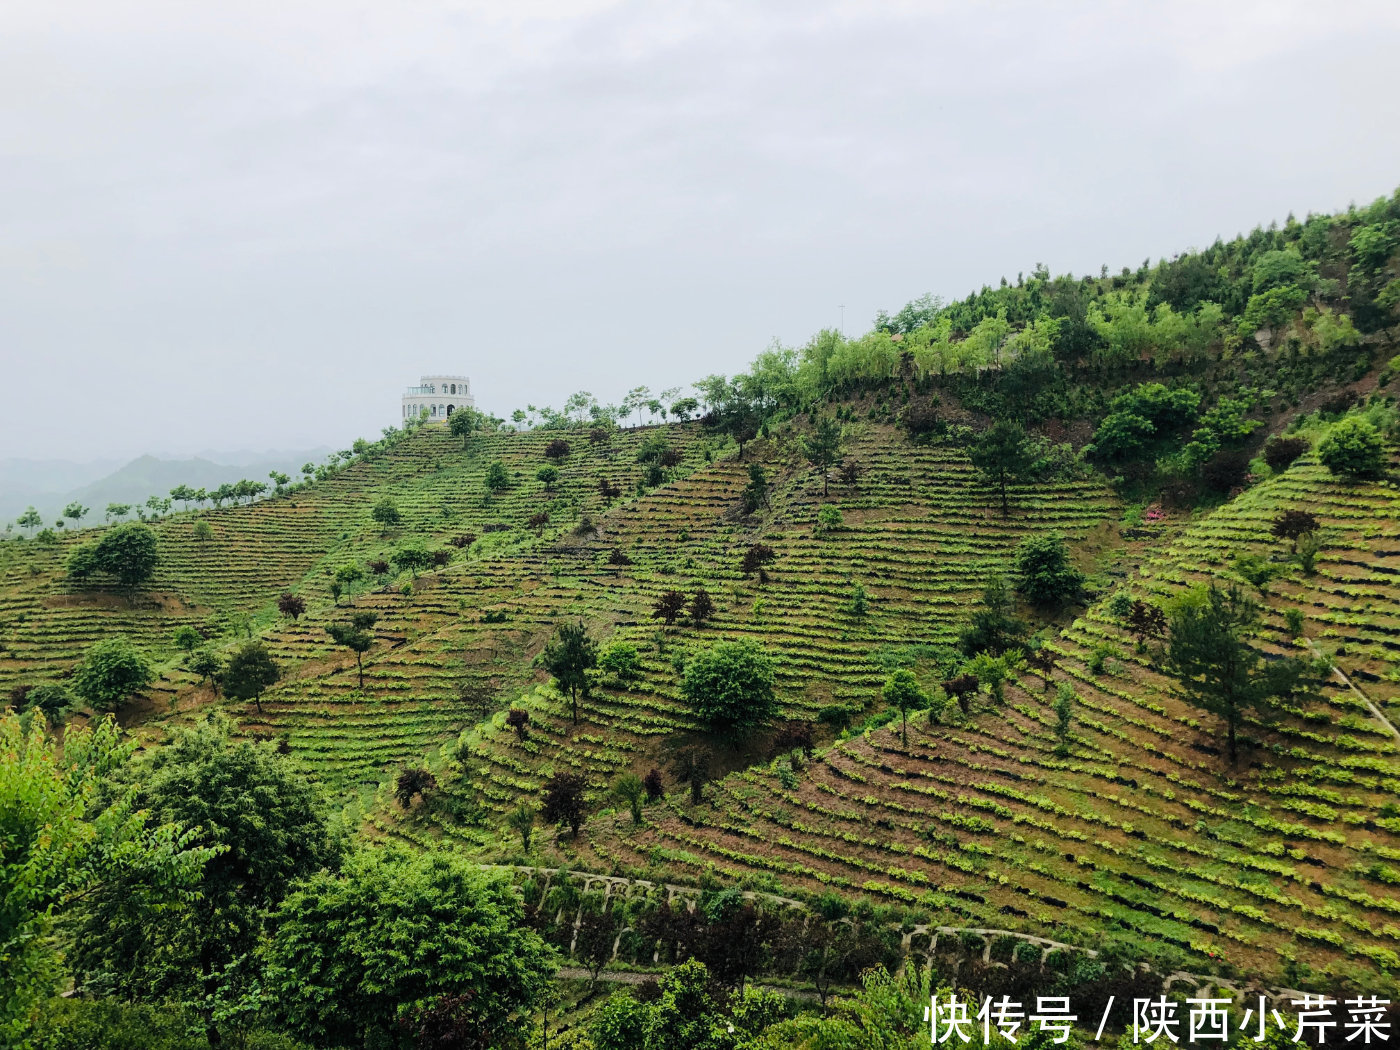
(441, 395)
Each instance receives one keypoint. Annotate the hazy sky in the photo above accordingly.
(251, 224)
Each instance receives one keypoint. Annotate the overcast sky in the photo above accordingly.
(228, 226)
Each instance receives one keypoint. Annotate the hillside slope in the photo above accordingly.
(1142, 833)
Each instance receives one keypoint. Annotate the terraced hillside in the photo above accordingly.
(228, 582)
(1142, 832)
(919, 535)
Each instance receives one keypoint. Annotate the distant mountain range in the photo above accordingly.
(50, 485)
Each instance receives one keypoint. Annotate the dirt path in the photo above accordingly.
(1370, 704)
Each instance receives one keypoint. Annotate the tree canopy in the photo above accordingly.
(110, 673)
(729, 686)
(1354, 449)
(249, 671)
(569, 656)
(128, 553)
(1003, 454)
(1044, 574)
(269, 827)
(1216, 668)
(338, 969)
(64, 835)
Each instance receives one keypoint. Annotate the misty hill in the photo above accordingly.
(42, 482)
(49, 486)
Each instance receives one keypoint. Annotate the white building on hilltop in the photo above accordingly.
(437, 396)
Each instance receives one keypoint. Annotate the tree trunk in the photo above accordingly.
(573, 695)
(360, 667)
(1234, 755)
(1005, 509)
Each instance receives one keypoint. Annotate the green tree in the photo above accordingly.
(412, 558)
(497, 477)
(1372, 245)
(621, 660)
(202, 531)
(822, 448)
(1044, 574)
(1003, 453)
(1064, 714)
(729, 686)
(828, 519)
(75, 512)
(756, 491)
(1257, 571)
(992, 671)
(356, 636)
(1353, 448)
(684, 1016)
(1216, 668)
(270, 827)
(386, 512)
(110, 673)
(994, 628)
(463, 423)
(902, 691)
(348, 576)
(65, 835)
(30, 520)
(882, 1014)
(116, 510)
(338, 968)
(1167, 409)
(51, 699)
(521, 820)
(569, 656)
(187, 639)
(251, 669)
(206, 664)
(619, 1024)
(548, 476)
(129, 553)
(628, 788)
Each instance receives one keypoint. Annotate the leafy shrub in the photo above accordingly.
(621, 660)
(828, 518)
(1225, 470)
(1353, 448)
(1280, 452)
(1044, 574)
(729, 686)
(837, 716)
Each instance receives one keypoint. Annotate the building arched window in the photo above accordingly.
(454, 388)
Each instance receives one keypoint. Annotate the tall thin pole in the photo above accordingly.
(842, 308)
